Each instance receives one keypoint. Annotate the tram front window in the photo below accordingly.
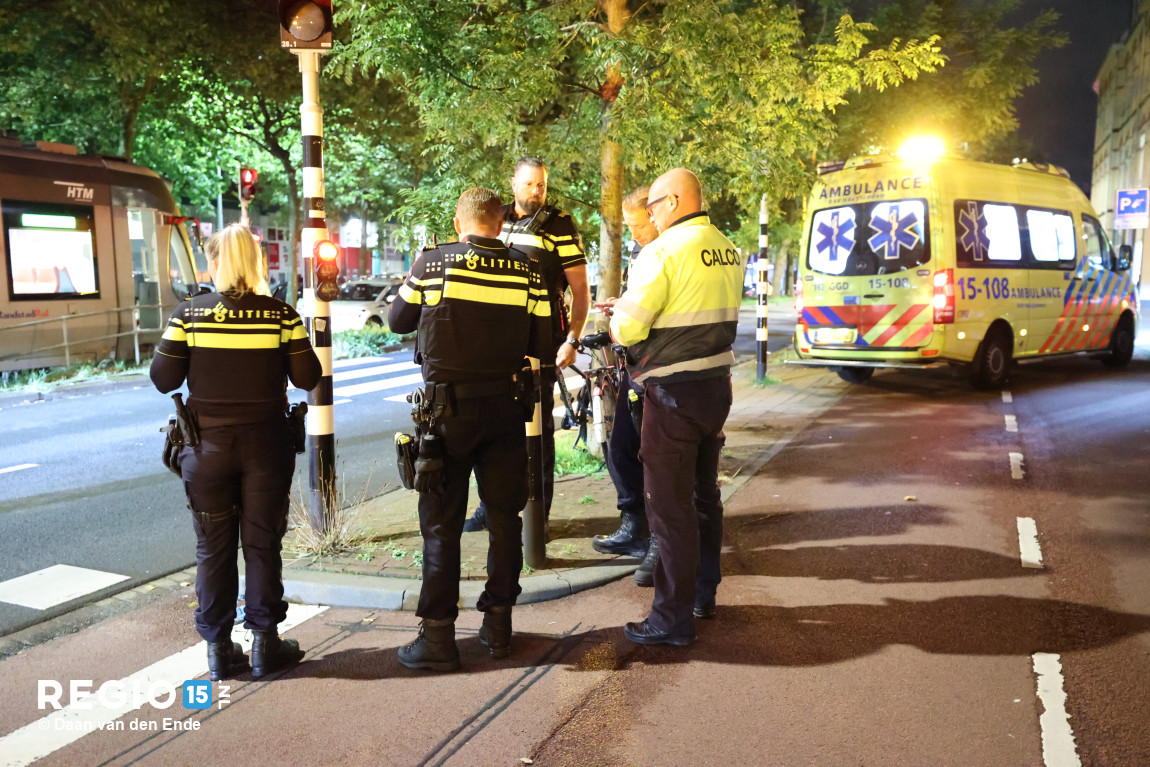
(181, 267)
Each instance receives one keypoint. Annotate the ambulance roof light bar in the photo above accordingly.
(921, 149)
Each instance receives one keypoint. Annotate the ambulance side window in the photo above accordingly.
(1095, 246)
(986, 234)
(1050, 236)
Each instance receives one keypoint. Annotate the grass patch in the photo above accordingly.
(363, 342)
(46, 379)
(572, 460)
(587, 500)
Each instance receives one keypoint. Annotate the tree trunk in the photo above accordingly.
(783, 285)
(611, 220)
(611, 166)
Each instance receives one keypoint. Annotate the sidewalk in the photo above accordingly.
(385, 572)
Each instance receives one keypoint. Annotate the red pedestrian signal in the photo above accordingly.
(326, 270)
(248, 178)
(305, 24)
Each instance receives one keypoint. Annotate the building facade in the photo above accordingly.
(1120, 132)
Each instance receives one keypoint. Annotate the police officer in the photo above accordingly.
(633, 536)
(479, 309)
(549, 238)
(678, 318)
(237, 347)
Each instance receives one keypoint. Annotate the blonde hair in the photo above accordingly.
(637, 200)
(239, 261)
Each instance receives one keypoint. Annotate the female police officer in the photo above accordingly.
(236, 348)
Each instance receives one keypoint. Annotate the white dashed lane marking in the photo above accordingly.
(55, 585)
(1007, 397)
(1058, 748)
(1012, 423)
(1016, 471)
(21, 467)
(1028, 548)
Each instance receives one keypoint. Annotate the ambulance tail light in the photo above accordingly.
(799, 297)
(944, 297)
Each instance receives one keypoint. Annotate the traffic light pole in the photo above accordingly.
(316, 312)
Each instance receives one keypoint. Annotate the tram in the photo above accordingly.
(93, 258)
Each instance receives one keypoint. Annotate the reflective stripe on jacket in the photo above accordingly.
(681, 309)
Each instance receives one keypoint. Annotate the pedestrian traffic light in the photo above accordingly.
(305, 24)
(248, 178)
(326, 270)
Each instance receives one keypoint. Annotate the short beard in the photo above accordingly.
(529, 207)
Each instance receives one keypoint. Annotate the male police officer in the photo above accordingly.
(633, 536)
(678, 318)
(479, 309)
(550, 240)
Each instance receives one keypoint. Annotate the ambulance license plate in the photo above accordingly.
(834, 336)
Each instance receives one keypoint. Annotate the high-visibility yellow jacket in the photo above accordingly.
(681, 309)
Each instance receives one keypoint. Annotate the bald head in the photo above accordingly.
(675, 194)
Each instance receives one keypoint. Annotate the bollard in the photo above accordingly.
(534, 520)
(763, 292)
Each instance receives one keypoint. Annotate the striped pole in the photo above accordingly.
(534, 522)
(316, 313)
(763, 291)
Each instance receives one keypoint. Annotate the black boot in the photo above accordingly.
(225, 660)
(477, 522)
(495, 633)
(270, 653)
(434, 649)
(645, 575)
(630, 539)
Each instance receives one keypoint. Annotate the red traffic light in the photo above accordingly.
(326, 250)
(248, 178)
(326, 270)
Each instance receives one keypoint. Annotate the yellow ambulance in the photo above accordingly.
(919, 258)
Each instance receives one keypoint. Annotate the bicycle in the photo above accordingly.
(592, 409)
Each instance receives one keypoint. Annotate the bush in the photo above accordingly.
(364, 342)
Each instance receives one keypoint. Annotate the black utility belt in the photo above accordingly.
(213, 421)
(482, 389)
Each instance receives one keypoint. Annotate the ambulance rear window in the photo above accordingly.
(869, 238)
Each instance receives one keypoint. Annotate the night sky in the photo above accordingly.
(1058, 114)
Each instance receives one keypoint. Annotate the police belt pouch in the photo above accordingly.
(297, 426)
(181, 431)
(406, 453)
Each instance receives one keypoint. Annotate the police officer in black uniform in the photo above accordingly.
(549, 238)
(479, 309)
(237, 347)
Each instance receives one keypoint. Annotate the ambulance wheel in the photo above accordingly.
(992, 363)
(855, 375)
(1121, 347)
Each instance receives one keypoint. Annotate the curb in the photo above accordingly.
(135, 381)
(390, 593)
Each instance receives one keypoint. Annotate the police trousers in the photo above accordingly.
(682, 440)
(623, 455)
(484, 434)
(237, 481)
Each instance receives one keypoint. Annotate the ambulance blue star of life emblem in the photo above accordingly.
(974, 240)
(893, 232)
(836, 237)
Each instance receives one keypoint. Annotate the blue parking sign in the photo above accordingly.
(1132, 210)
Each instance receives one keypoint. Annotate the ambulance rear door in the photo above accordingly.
(869, 283)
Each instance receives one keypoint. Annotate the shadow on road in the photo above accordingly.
(774, 636)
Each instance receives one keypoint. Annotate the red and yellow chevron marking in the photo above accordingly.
(890, 325)
(1082, 307)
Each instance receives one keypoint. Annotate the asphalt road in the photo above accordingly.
(97, 496)
(875, 610)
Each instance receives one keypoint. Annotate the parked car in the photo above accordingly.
(364, 303)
